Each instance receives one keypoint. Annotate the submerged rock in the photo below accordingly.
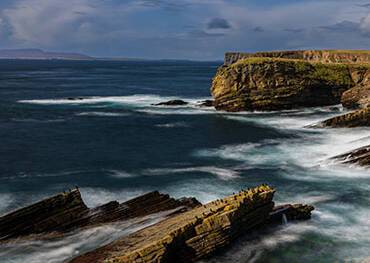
(172, 103)
(291, 212)
(206, 103)
(67, 211)
(360, 156)
(198, 233)
(359, 118)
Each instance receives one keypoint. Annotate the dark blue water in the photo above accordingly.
(114, 144)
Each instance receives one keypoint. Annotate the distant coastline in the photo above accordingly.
(39, 54)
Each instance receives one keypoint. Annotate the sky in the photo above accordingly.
(183, 29)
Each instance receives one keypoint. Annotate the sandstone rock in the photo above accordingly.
(172, 103)
(198, 233)
(66, 211)
(276, 84)
(360, 156)
(353, 119)
(357, 97)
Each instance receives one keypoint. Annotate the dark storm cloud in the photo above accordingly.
(344, 26)
(218, 23)
(192, 29)
(294, 30)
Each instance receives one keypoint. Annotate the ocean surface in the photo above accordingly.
(115, 145)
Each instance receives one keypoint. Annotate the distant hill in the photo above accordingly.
(40, 54)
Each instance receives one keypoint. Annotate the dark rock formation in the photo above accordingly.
(197, 233)
(291, 212)
(172, 103)
(67, 211)
(359, 157)
(326, 56)
(206, 103)
(353, 119)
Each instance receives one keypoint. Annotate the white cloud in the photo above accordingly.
(365, 24)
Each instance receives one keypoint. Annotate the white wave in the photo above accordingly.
(121, 174)
(5, 201)
(173, 125)
(250, 249)
(63, 249)
(137, 99)
(97, 196)
(221, 173)
(103, 114)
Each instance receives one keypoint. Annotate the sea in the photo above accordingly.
(92, 124)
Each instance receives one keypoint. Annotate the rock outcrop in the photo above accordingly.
(198, 233)
(325, 56)
(67, 211)
(357, 97)
(359, 118)
(172, 103)
(292, 79)
(360, 156)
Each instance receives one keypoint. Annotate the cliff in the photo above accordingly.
(292, 79)
(197, 233)
(275, 84)
(325, 56)
(65, 212)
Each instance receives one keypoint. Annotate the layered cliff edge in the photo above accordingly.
(200, 232)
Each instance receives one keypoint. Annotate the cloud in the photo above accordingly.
(365, 25)
(182, 28)
(218, 23)
(344, 26)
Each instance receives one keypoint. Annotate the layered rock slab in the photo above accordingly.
(360, 156)
(66, 211)
(192, 235)
(359, 118)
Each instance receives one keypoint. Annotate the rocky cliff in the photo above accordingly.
(275, 84)
(291, 79)
(325, 56)
(197, 233)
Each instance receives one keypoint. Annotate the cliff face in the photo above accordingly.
(275, 84)
(200, 232)
(325, 56)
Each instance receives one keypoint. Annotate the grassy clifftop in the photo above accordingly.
(325, 56)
